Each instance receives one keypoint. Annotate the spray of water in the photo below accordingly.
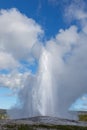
(44, 89)
(61, 77)
(59, 81)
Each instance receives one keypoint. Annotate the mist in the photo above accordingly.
(60, 79)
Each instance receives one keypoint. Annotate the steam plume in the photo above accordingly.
(60, 79)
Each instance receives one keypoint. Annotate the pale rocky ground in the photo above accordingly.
(39, 120)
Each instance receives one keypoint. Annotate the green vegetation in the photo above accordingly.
(82, 117)
(3, 114)
(54, 127)
(44, 127)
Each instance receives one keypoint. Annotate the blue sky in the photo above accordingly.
(49, 14)
(6, 98)
(44, 12)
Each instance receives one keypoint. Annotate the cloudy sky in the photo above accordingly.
(28, 26)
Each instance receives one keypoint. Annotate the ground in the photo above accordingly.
(42, 123)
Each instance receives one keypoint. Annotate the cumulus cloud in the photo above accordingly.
(19, 34)
(13, 80)
(76, 10)
(7, 61)
(19, 40)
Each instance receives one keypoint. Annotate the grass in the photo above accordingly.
(82, 117)
(44, 127)
(3, 116)
(56, 127)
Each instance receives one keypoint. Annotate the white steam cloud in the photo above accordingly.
(61, 77)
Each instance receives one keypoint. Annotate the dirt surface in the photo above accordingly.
(38, 121)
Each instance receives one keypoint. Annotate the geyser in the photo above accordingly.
(43, 92)
(61, 77)
(37, 97)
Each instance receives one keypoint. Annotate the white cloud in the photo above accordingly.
(13, 80)
(84, 98)
(19, 40)
(19, 34)
(64, 41)
(76, 10)
(7, 61)
(76, 14)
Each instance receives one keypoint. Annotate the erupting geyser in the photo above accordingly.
(38, 92)
(43, 91)
(59, 81)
